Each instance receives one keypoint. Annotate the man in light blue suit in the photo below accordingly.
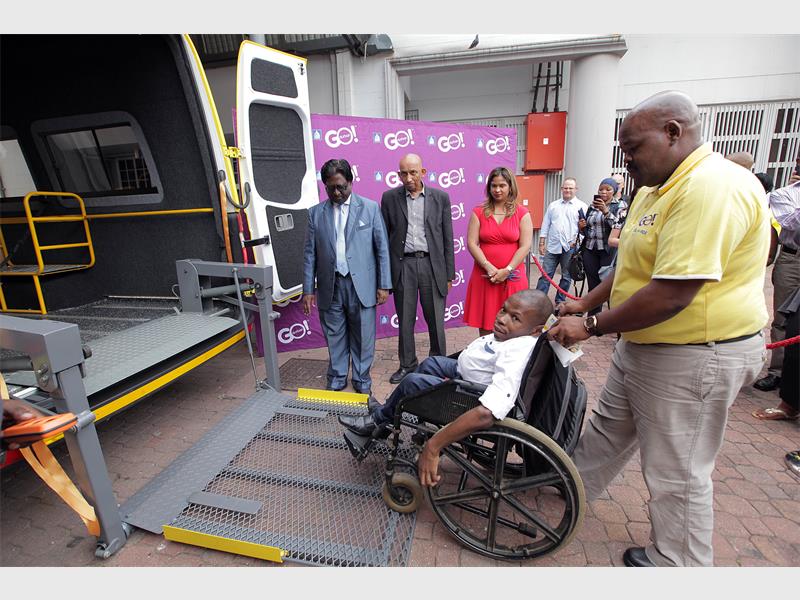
(347, 250)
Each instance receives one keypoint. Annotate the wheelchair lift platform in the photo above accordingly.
(276, 481)
(123, 354)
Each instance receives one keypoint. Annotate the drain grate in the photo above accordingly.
(304, 372)
(314, 500)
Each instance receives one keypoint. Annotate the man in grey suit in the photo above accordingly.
(347, 251)
(420, 227)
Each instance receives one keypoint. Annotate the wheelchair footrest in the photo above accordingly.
(358, 445)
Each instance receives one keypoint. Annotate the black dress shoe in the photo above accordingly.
(768, 383)
(398, 375)
(362, 424)
(334, 389)
(636, 557)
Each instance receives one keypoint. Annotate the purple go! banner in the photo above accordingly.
(457, 158)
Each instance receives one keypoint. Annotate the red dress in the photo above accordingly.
(499, 243)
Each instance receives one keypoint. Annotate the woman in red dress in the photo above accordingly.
(499, 239)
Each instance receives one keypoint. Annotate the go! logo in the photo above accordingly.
(454, 141)
(458, 244)
(393, 179)
(497, 146)
(459, 278)
(398, 139)
(395, 321)
(457, 212)
(451, 178)
(453, 311)
(344, 136)
(294, 332)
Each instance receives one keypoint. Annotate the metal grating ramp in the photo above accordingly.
(294, 486)
(126, 353)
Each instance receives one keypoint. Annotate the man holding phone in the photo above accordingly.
(562, 221)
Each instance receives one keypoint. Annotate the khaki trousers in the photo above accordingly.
(785, 280)
(671, 402)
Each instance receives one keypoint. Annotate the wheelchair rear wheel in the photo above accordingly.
(529, 502)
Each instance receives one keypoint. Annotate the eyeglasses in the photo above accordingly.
(337, 188)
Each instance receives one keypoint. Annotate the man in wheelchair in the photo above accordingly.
(497, 360)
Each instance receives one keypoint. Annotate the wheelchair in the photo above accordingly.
(509, 492)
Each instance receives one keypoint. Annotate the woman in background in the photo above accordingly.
(600, 221)
(498, 238)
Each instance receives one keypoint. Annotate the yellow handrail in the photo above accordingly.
(150, 213)
(92, 217)
(26, 202)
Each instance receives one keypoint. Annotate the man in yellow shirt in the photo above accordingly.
(687, 297)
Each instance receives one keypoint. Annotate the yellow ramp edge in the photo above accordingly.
(215, 542)
(331, 396)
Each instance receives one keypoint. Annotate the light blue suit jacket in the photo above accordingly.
(367, 251)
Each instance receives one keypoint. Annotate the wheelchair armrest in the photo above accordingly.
(443, 402)
(470, 387)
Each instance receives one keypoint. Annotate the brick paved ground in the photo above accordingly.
(756, 500)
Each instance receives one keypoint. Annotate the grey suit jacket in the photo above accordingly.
(367, 251)
(438, 233)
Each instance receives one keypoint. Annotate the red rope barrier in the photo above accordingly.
(553, 283)
(787, 342)
(772, 346)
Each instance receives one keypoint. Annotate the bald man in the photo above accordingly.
(420, 227)
(743, 159)
(687, 296)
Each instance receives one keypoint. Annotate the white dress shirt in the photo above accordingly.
(340, 212)
(560, 224)
(500, 366)
(785, 206)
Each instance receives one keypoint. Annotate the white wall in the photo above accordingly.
(321, 88)
(480, 93)
(712, 69)
(369, 99)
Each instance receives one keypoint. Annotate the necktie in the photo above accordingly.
(341, 249)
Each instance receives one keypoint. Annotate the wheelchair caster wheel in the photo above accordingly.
(404, 494)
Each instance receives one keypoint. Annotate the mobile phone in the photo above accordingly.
(597, 197)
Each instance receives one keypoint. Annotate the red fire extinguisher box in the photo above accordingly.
(546, 133)
(531, 195)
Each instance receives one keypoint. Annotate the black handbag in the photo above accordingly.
(575, 267)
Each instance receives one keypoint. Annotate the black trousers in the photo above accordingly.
(417, 284)
(790, 372)
(593, 259)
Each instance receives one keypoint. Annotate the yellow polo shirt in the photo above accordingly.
(707, 221)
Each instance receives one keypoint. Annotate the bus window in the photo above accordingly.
(103, 158)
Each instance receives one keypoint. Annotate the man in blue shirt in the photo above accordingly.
(560, 227)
